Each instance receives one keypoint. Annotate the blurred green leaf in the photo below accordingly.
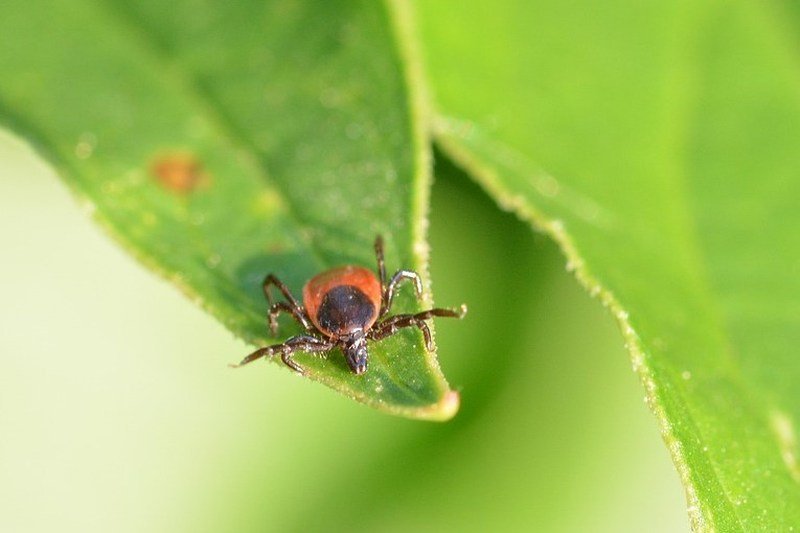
(223, 141)
(657, 142)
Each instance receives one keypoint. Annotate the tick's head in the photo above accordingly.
(355, 352)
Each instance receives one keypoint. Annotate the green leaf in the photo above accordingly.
(657, 143)
(220, 141)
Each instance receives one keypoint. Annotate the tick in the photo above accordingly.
(344, 308)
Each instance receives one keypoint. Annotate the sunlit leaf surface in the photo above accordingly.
(223, 141)
(658, 144)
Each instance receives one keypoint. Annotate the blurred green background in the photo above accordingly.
(118, 413)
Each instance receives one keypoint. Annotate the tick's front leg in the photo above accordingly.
(393, 323)
(302, 343)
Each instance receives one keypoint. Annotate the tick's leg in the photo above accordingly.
(452, 313)
(392, 324)
(303, 343)
(381, 264)
(271, 279)
(292, 306)
(399, 276)
(297, 313)
(387, 290)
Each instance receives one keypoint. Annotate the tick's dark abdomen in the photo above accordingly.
(345, 309)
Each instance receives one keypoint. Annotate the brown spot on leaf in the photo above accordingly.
(179, 172)
(277, 247)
